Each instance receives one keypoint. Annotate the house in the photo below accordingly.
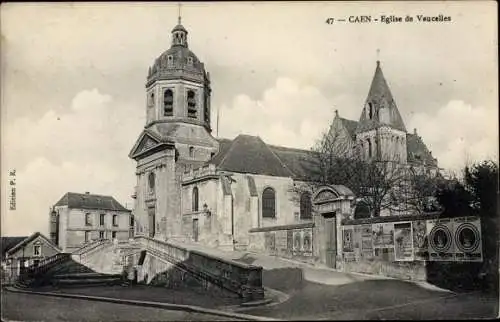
(78, 218)
(21, 252)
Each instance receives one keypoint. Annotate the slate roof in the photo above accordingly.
(302, 163)
(6, 243)
(90, 201)
(380, 95)
(249, 154)
(350, 126)
(417, 150)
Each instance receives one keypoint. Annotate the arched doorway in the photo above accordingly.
(330, 203)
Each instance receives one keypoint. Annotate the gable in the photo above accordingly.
(25, 247)
(147, 141)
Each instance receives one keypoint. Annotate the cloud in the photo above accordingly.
(288, 114)
(458, 133)
(84, 149)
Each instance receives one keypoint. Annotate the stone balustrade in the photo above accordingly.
(33, 271)
(203, 171)
(242, 279)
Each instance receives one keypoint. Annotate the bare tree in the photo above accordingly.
(373, 181)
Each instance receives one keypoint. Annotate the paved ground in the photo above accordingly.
(319, 293)
(156, 294)
(28, 307)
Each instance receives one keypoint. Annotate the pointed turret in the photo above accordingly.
(380, 108)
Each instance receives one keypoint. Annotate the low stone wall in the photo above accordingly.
(415, 270)
(363, 251)
(288, 241)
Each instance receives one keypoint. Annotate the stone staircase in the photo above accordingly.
(94, 264)
(150, 261)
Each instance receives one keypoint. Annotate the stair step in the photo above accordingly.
(86, 276)
(86, 282)
(64, 285)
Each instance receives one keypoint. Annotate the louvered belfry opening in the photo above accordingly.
(191, 103)
(168, 102)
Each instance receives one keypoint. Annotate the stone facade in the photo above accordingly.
(79, 218)
(243, 193)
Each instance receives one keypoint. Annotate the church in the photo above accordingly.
(192, 186)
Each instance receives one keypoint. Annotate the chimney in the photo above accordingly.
(415, 131)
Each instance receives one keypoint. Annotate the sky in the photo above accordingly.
(73, 77)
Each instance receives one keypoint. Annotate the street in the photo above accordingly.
(28, 307)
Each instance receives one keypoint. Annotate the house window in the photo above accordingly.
(87, 236)
(101, 219)
(168, 102)
(268, 203)
(37, 250)
(113, 234)
(195, 199)
(170, 60)
(115, 220)
(305, 206)
(191, 102)
(88, 219)
(101, 235)
(191, 152)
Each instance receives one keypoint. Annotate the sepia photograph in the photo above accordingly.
(249, 161)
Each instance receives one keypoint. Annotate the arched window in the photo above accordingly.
(305, 206)
(369, 148)
(370, 111)
(268, 203)
(152, 99)
(168, 102)
(191, 152)
(151, 181)
(195, 199)
(191, 102)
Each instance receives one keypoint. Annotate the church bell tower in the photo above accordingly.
(381, 133)
(176, 136)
